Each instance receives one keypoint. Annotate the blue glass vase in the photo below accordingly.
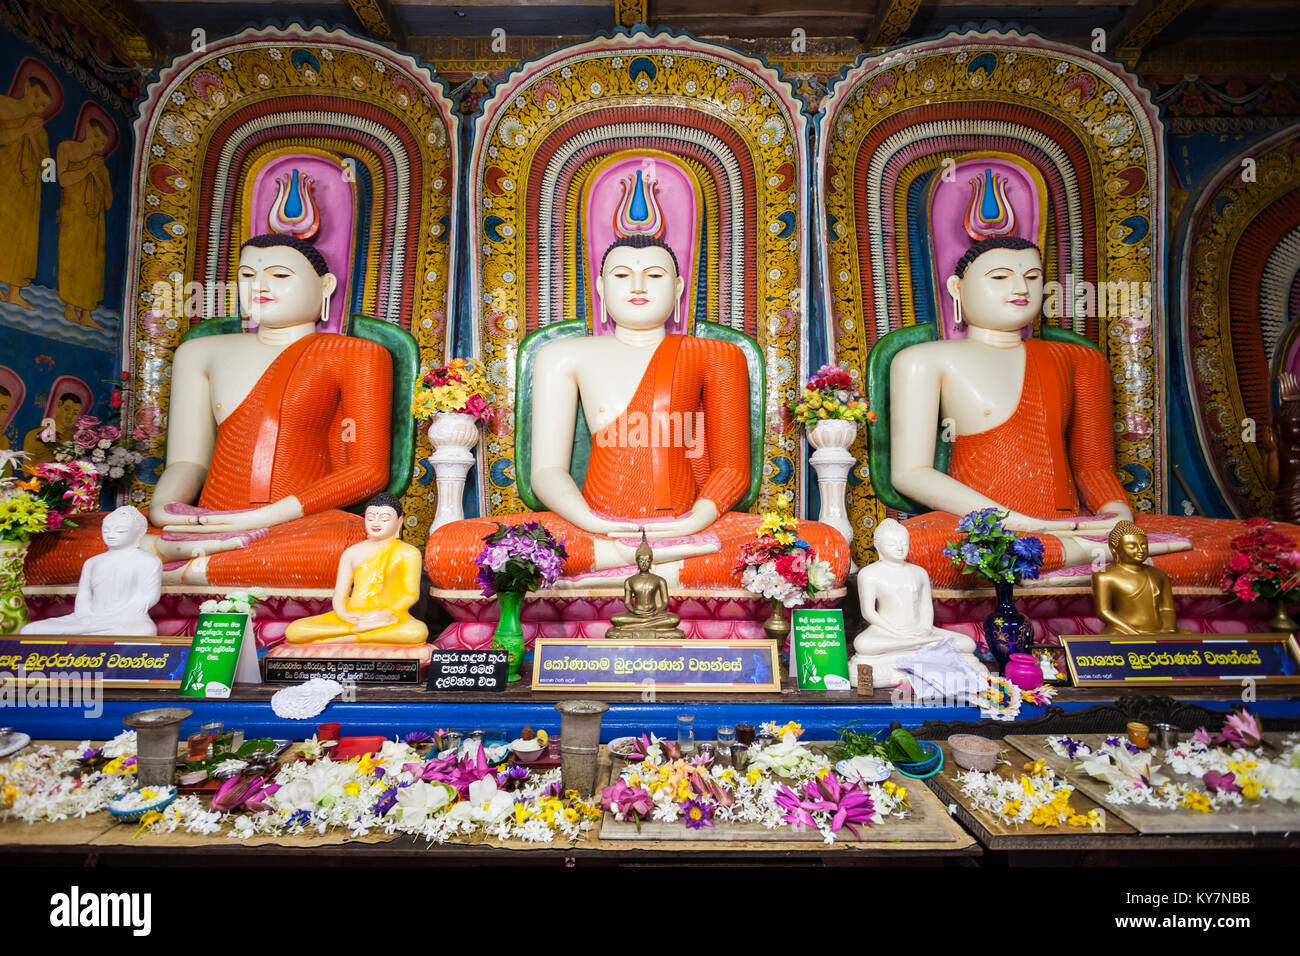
(1006, 630)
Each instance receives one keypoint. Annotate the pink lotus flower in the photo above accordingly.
(1216, 782)
(631, 803)
(1241, 729)
(1203, 736)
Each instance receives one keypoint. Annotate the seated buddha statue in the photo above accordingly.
(270, 433)
(1132, 597)
(1033, 422)
(378, 584)
(898, 605)
(646, 596)
(631, 385)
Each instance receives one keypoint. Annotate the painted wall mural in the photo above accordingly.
(65, 168)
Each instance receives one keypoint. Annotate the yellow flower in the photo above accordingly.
(571, 814)
(521, 813)
(1194, 800)
(901, 794)
(683, 790)
(352, 788)
(753, 775)
(1243, 768)
(634, 780)
(1249, 787)
(823, 773)
(366, 764)
(1079, 820)
(114, 765)
(785, 537)
(1045, 817)
(10, 793)
(151, 817)
(1038, 768)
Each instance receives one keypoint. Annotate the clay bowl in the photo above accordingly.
(974, 753)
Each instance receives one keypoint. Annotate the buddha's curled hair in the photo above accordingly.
(1120, 531)
(977, 249)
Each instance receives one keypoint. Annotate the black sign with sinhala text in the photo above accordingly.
(1181, 659)
(468, 670)
(295, 670)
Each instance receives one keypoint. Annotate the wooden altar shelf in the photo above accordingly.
(1163, 831)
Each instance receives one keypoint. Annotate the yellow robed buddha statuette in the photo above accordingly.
(1132, 597)
(378, 582)
(646, 596)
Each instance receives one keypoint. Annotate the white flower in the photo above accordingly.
(486, 805)
(157, 150)
(327, 54)
(178, 98)
(1062, 67)
(720, 71)
(275, 54)
(225, 63)
(380, 67)
(421, 799)
(668, 61)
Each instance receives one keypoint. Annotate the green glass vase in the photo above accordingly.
(509, 636)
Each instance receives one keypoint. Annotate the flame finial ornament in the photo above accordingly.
(294, 212)
(639, 210)
(989, 214)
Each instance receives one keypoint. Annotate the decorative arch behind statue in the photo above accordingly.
(705, 119)
(1239, 321)
(1082, 124)
(259, 101)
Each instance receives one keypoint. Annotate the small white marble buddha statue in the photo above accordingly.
(896, 602)
(116, 588)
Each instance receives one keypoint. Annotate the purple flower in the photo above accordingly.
(92, 753)
(379, 773)
(385, 803)
(514, 772)
(1071, 746)
(1111, 742)
(696, 814)
(1132, 747)
(416, 737)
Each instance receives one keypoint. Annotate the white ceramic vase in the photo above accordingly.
(832, 460)
(454, 436)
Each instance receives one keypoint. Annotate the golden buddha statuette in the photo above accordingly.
(646, 597)
(1132, 597)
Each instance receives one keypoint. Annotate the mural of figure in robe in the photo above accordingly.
(34, 97)
(87, 194)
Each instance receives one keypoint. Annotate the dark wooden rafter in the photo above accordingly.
(628, 13)
(1142, 24)
(891, 20)
(124, 23)
(379, 20)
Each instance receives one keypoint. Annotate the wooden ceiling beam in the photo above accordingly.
(628, 13)
(127, 26)
(890, 22)
(1141, 25)
(379, 20)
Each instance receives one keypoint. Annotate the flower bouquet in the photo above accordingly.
(65, 488)
(830, 395)
(1004, 558)
(783, 568)
(1266, 565)
(518, 558)
(460, 387)
(107, 447)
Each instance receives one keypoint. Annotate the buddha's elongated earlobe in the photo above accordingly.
(956, 310)
(325, 308)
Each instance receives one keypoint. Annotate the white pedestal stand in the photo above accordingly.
(454, 436)
(832, 461)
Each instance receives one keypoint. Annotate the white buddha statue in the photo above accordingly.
(117, 588)
(897, 605)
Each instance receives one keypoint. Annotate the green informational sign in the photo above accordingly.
(821, 658)
(215, 655)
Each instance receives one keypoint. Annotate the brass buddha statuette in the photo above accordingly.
(646, 596)
(1132, 597)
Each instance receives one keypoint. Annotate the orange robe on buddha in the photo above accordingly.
(1055, 458)
(630, 478)
(316, 425)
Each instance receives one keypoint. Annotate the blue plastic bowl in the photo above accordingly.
(133, 816)
(925, 768)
